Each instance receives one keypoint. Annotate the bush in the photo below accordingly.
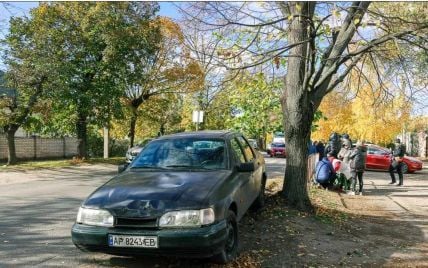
(118, 147)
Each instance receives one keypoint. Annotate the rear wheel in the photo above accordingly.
(230, 250)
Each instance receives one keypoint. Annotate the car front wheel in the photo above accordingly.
(230, 250)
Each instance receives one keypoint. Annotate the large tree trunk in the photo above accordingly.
(298, 111)
(132, 126)
(10, 136)
(82, 136)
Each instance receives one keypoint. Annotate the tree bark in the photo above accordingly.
(297, 109)
(10, 136)
(82, 137)
(132, 126)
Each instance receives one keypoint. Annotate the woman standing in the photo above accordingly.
(358, 164)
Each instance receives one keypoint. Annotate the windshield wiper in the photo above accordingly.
(147, 166)
(188, 166)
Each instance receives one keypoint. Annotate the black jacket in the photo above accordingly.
(358, 159)
(399, 151)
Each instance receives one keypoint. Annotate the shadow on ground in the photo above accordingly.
(277, 236)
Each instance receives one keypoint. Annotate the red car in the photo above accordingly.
(380, 158)
(277, 149)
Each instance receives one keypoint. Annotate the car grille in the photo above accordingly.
(136, 222)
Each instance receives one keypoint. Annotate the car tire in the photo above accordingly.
(230, 250)
(260, 200)
(404, 168)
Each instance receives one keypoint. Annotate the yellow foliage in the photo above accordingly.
(368, 116)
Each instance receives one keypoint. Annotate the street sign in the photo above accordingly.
(198, 116)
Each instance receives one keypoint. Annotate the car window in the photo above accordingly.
(182, 153)
(247, 149)
(375, 151)
(238, 151)
(279, 145)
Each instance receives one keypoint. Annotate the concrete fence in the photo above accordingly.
(40, 148)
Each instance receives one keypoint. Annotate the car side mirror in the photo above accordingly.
(121, 168)
(246, 167)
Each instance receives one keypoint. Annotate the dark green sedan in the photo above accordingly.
(183, 196)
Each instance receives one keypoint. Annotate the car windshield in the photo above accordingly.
(182, 153)
(278, 145)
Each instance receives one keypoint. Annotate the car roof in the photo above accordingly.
(222, 134)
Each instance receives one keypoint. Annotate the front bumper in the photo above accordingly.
(198, 242)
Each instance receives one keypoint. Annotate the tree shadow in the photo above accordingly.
(38, 233)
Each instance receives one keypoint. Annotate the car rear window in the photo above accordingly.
(281, 145)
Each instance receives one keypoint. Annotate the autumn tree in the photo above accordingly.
(320, 44)
(168, 71)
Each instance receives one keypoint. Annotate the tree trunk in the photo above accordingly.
(298, 111)
(132, 126)
(10, 135)
(82, 137)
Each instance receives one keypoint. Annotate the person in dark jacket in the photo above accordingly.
(346, 141)
(334, 145)
(357, 165)
(320, 150)
(324, 173)
(397, 163)
(311, 148)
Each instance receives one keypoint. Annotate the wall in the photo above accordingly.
(40, 148)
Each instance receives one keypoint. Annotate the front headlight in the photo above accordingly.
(97, 217)
(187, 218)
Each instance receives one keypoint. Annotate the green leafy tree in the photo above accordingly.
(26, 80)
(256, 105)
(93, 47)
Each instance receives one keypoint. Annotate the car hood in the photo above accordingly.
(149, 194)
(412, 159)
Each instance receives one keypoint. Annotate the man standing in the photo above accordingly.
(397, 163)
(358, 164)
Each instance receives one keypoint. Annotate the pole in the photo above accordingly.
(106, 138)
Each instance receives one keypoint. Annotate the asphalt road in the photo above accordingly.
(39, 207)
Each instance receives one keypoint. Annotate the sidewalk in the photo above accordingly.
(408, 203)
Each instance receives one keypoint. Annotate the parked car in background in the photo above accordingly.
(183, 195)
(277, 149)
(379, 158)
(134, 151)
(278, 137)
(253, 143)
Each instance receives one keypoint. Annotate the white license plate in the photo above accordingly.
(130, 241)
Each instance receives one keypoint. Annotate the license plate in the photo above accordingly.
(278, 152)
(130, 241)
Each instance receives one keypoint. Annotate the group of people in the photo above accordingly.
(338, 156)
